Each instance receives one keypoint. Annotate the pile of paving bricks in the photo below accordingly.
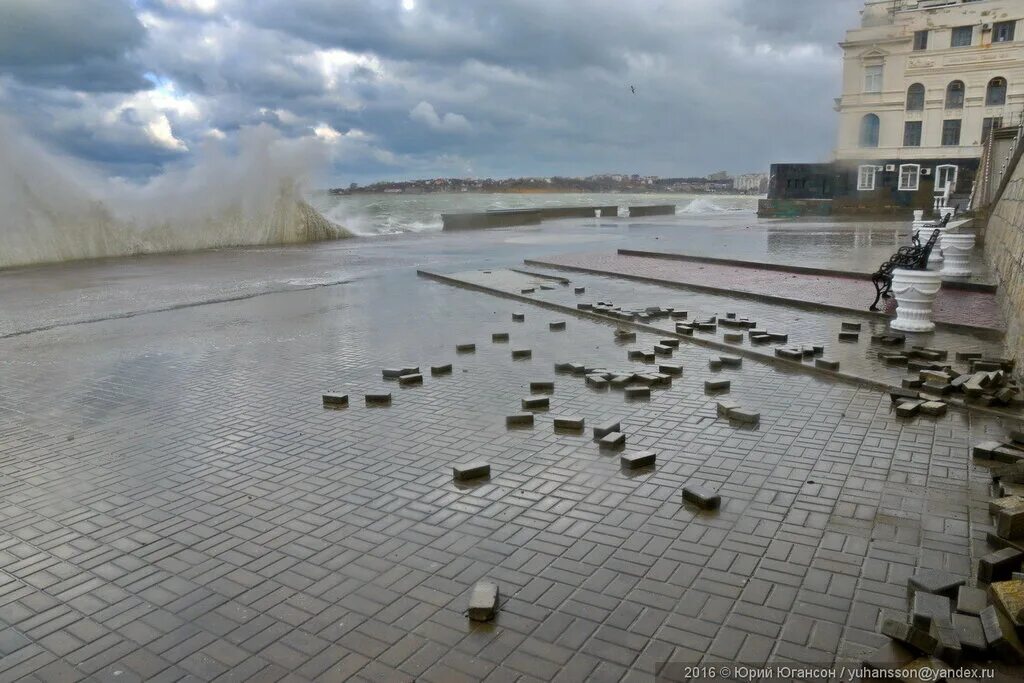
(645, 315)
(1006, 466)
(987, 381)
(635, 385)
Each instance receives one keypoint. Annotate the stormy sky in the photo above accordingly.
(426, 88)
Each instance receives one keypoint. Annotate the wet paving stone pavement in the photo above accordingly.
(176, 503)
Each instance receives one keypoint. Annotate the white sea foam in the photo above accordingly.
(53, 208)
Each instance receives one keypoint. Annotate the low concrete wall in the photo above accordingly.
(1004, 250)
(790, 208)
(658, 210)
(504, 218)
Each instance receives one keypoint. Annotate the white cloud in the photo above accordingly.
(425, 113)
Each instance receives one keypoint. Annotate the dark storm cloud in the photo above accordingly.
(413, 88)
(80, 44)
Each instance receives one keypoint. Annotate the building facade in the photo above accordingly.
(924, 81)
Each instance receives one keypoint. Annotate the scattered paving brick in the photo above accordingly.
(733, 337)
(928, 606)
(746, 417)
(606, 428)
(518, 317)
(597, 381)
(444, 369)
(702, 497)
(971, 635)
(335, 400)
(947, 644)
(662, 350)
(519, 420)
(465, 348)
(999, 565)
(545, 386)
(717, 385)
(580, 290)
(483, 601)
(638, 392)
(500, 337)
(527, 290)
(637, 460)
(521, 353)
(612, 441)
(852, 326)
(935, 581)
(670, 369)
(557, 326)
(909, 408)
(409, 380)
(715, 364)
(934, 408)
(849, 337)
(536, 403)
(471, 470)
(731, 361)
(826, 364)
(378, 398)
(574, 424)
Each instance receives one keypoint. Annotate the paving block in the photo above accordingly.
(747, 417)
(445, 369)
(912, 383)
(1000, 636)
(1010, 524)
(714, 385)
(998, 566)
(519, 420)
(471, 470)
(986, 449)
(971, 635)
(1008, 596)
(557, 326)
(612, 441)
(669, 369)
(542, 387)
(889, 656)
(684, 330)
(789, 353)
(536, 403)
(632, 461)
(378, 398)
(733, 337)
(578, 369)
(409, 380)
(934, 408)
(638, 392)
(518, 317)
(527, 290)
(597, 382)
(662, 350)
(672, 343)
(725, 408)
(1005, 503)
(636, 354)
(779, 338)
(909, 635)
(715, 364)
(852, 326)
(971, 600)
(500, 337)
(909, 408)
(731, 361)
(521, 353)
(605, 428)
(580, 290)
(826, 364)
(574, 424)
(465, 348)
(702, 497)
(333, 400)
(928, 606)
(849, 337)
(620, 381)
(947, 644)
(483, 601)
(395, 373)
(625, 336)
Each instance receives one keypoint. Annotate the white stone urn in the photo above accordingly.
(957, 247)
(915, 292)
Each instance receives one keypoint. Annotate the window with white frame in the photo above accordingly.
(910, 176)
(866, 177)
(945, 175)
(873, 78)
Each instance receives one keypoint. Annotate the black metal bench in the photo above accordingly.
(911, 258)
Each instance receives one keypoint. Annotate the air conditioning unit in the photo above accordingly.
(890, 167)
(926, 171)
(986, 27)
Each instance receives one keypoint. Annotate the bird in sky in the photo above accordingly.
(633, 88)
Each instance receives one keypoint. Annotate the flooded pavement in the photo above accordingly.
(177, 504)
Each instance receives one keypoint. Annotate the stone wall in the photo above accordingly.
(1004, 250)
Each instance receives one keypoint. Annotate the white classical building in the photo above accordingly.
(923, 83)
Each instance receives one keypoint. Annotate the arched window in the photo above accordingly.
(869, 127)
(915, 97)
(996, 94)
(955, 95)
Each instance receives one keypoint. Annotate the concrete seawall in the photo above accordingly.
(504, 218)
(658, 210)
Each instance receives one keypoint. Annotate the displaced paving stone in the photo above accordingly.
(713, 385)
(790, 353)
(725, 408)
(1006, 503)
(378, 398)
(849, 337)
(971, 635)
(605, 428)
(580, 290)
(662, 350)
(715, 364)
(620, 381)
(634, 461)
(625, 336)
(574, 424)
(934, 408)
(445, 369)
(518, 317)
(702, 497)
(409, 380)
(465, 348)
(826, 364)
(935, 581)
(579, 369)
(778, 337)
(483, 601)
(527, 290)
(519, 420)
(679, 315)
(557, 326)
(536, 403)
(684, 330)
(747, 417)
(335, 400)
(909, 635)
(909, 408)
(670, 369)
(947, 644)
(500, 337)
(471, 470)
(852, 326)
(396, 373)
(731, 361)
(760, 339)
(999, 634)
(638, 392)
(1010, 524)
(597, 382)
(673, 343)
(521, 353)
(986, 450)
(612, 441)
(928, 606)
(539, 387)
(733, 337)
(998, 566)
